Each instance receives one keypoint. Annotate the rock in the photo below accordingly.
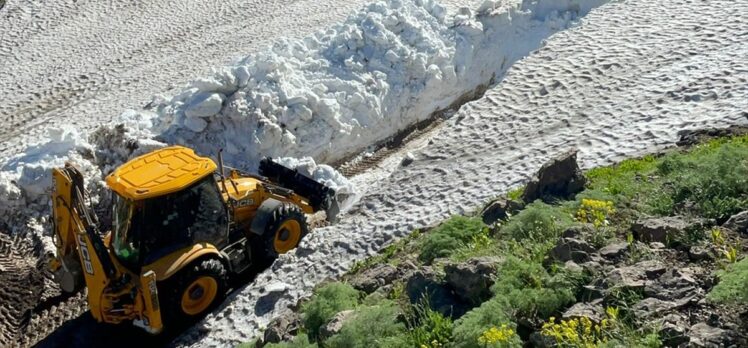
(335, 324)
(673, 329)
(674, 285)
(595, 313)
(614, 250)
(690, 137)
(204, 105)
(661, 229)
(560, 177)
(571, 249)
(697, 253)
(500, 209)
(703, 335)
(472, 280)
(634, 277)
(425, 284)
(371, 279)
(407, 159)
(577, 231)
(573, 266)
(738, 222)
(281, 329)
(656, 246)
(651, 307)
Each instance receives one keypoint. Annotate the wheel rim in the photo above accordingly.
(287, 236)
(197, 297)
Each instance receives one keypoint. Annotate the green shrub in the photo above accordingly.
(301, 341)
(524, 291)
(530, 291)
(471, 326)
(538, 221)
(716, 181)
(327, 301)
(428, 328)
(733, 285)
(455, 233)
(371, 327)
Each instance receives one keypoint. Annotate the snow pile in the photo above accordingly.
(333, 94)
(345, 191)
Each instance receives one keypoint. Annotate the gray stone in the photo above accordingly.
(634, 277)
(425, 284)
(335, 324)
(661, 229)
(573, 266)
(673, 328)
(651, 307)
(371, 279)
(472, 280)
(738, 222)
(560, 177)
(594, 312)
(697, 253)
(281, 329)
(703, 335)
(674, 285)
(656, 246)
(500, 209)
(572, 249)
(614, 250)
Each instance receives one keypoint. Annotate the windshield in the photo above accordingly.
(147, 229)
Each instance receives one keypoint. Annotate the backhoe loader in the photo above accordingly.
(181, 228)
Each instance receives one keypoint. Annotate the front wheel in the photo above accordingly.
(195, 291)
(283, 232)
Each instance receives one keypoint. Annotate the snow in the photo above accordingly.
(622, 83)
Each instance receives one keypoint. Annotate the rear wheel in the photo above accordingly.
(283, 233)
(195, 291)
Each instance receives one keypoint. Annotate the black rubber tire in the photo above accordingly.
(171, 312)
(263, 250)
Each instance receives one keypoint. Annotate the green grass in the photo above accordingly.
(327, 301)
(733, 285)
(371, 326)
(453, 234)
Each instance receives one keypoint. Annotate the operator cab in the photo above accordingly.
(164, 202)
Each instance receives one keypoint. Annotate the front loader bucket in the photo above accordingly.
(320, 196)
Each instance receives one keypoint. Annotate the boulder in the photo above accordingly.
(335, 324)
(426, 285)
(281, 329)
(674, 285)
(634, 277)
(651, 307)
(558, 178)
(594, 312)
(472, 280)
(371, 279)
(572, 249)
(673, 328)
(704, 335)
(500, 209)
(738, 222)
(660, 229)
(614, 250)
(698, 253)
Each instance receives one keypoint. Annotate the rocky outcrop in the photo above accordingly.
(373, 278)
(704, 335)
(335, 324)
(558, 178)
(572, 249)
(738, 223)
(281, 329)
(425, 285)
(472, 280)
(660, 229)
(500, 209)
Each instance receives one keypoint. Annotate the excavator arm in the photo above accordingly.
(83, 259)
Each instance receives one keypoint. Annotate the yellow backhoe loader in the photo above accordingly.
(181, 228)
